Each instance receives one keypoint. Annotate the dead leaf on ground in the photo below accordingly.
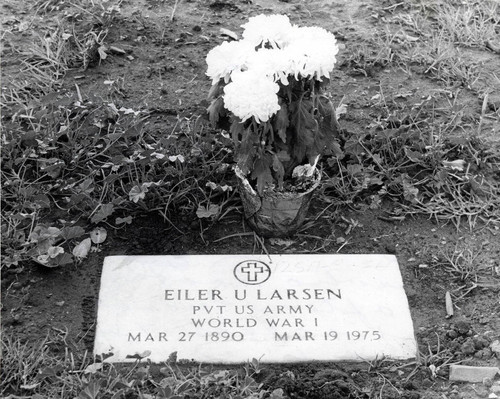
(207, 212)
(98, 235)
(139, 355)
(117, 50)
(341, 110)
(229, 33)
(449, 305)
(281, 242)
(82, 250)
(93, 368)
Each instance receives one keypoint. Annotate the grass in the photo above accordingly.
(54, 166)
(438, 36)
(121, 169)
(67, 155)
(464, 262)
(403, 156)
(407, 150)
(471, 23)
(51, 369)
(435, 172)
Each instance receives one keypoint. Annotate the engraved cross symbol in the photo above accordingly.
(252, 270)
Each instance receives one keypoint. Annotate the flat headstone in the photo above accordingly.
(232, 308)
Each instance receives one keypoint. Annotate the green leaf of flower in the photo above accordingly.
(215, 110)
(69, 233)
(247, 150)
(281, 122)
(215, 91)
(262, 172)
(279, 169)
(306, 127)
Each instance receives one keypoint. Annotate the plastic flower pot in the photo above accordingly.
(275, 213)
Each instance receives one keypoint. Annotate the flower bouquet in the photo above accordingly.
(267, 91)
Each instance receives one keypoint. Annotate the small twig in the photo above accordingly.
(250, 233)
(164, 214)
(483, 112)
(474, 285)
(390, 383)
(405, 365)
(343, 245)
(79, 94)
(392, 218)
(263, 246)
(310, 236)
(323, 211)
(393, 6)
(413, 372)
(173, 11)
(201, 232)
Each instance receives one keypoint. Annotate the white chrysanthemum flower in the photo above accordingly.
(313, 51)
(251, 94)
(267, 29)
(273, 63)
(226, 58)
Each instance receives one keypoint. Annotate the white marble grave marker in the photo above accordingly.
(232, 308)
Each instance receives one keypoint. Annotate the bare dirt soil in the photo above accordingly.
(161, 73)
